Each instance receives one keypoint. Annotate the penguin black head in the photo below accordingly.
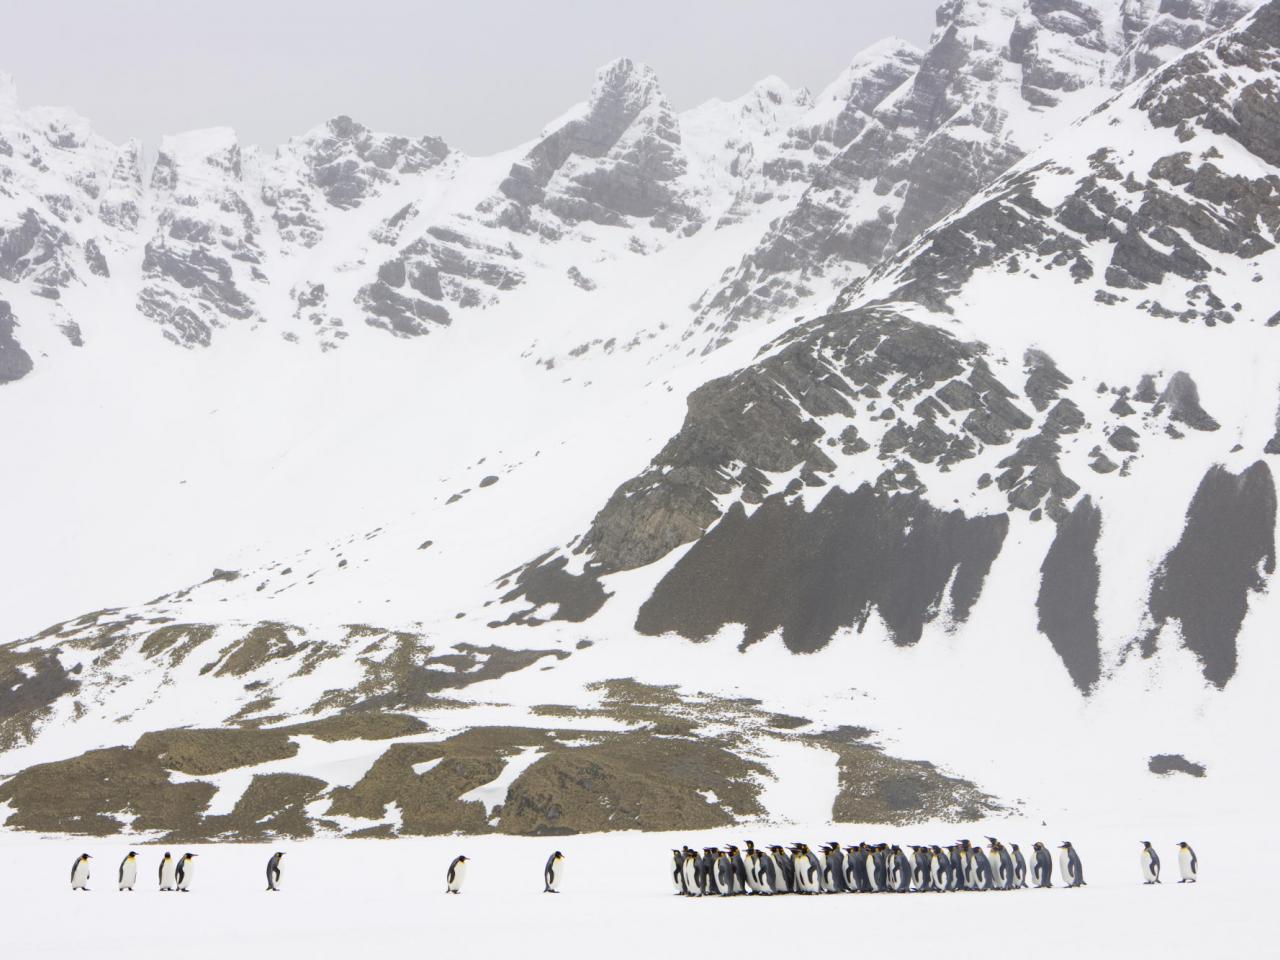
(1145, 843)
(84, 856)
(1065, 845)
(462, 859)
(558, 855)
(131, 856)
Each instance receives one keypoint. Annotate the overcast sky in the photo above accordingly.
(484, 75)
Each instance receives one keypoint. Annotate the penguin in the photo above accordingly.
(677, 871)
(185, 868)
(878, 867)
(724, 873)
(710, 886)
(766, 873)
(273, 872)
(939, 869)
(1006, 866)
(80, 872)
(957, 867)
(786, 868)
(1042, 869)
(902, 870)
(128, 871)
(1019, 866)
(691, 874)
(970, 866)
(553, 873)
(997, 864)
(457, 873)
(807, 874)
(1150, 861)
(1188, 865)
(833, 877)
(1069, 860)
(167, 881)
(739, 884)
(922, 875)
(982, 876)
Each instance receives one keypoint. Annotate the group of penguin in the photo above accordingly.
(886, 868)
(177, 874)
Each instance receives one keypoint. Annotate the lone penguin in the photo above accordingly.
(128, 871)
(553, 873)
(167, 880)
(1042, 868)
(457, 873)
(1187, 863)
(186, 867)
(273, 872)
(1069, 860)
(80, 873)
(1150, 863)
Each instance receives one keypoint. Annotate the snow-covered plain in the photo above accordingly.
(354, 897)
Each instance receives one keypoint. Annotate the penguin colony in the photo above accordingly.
(886, 868)
(857, 868)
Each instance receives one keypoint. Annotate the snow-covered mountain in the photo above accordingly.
(409, 494)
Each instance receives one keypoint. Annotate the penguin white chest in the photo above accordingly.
(128, 874)
(555, 875)
(459, 874)
(1148, 866)
(166, 874)
(185, 876)
(1064, 864)
(1186, 864)
(80, 875)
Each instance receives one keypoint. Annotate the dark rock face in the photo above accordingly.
(956, 122)
(809, 574)
(443, 266)
(15, 363)
(1227, 547)
(1163, 764)
(1068, 596)
(345, 164)
(626, 156)
(36, 251)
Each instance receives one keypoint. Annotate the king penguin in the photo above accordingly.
(457, 873)
(273, 871)
(184, 871)
(691, 873)
(1019, 866)
(553, 873)
(1150, 861)
(80, 873)
(1069, 860)
(167, 880)
(128, 871)
(1187, 863)
(1042, 867)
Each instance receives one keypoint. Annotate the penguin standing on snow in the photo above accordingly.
(957, 867)
(901, 871)
(128, 871)
(1150, 861)
(553, 873)
(1019, 866)
(457, 873)
(1069, 860)
(724, 873)
(80, 873)
(1187, 863)
(691, 873)
(184, 871)
(273, 872)
(1042, 868)
(677, 871)
(982, 875)
(167, 879)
